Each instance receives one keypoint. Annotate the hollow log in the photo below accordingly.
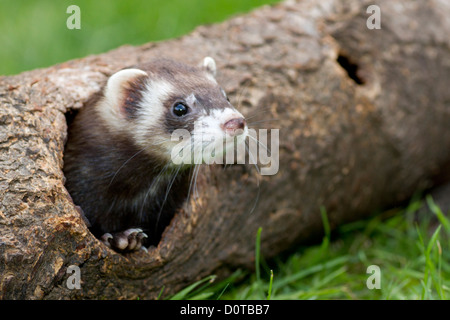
(364, 120)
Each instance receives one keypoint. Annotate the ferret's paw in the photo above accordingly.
(125, 241)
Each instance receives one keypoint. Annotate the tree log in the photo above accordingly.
(364, 120)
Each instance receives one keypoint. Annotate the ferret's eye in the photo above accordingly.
(179, 109)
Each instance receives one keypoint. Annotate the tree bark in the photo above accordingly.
(364, 122)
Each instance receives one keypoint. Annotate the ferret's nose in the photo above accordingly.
(235, 126)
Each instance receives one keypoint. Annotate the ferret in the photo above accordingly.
(118, 156)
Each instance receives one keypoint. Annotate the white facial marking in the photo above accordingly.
(152, 111)
(210, 129)
(223, 92)
(191, 99)
(219, 117)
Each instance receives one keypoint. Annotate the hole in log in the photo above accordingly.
(132, 200)
(350, 67)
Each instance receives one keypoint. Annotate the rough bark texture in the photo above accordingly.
(349, 147)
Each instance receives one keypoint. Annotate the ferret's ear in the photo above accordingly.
(120, 81)
(123, 83)
(209, 65)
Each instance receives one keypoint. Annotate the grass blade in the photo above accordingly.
(183, 294)
(258, 255)
(438, 212)
(160, 293)
(269, 292)
(326, 228)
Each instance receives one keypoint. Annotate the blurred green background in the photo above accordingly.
(34, 33)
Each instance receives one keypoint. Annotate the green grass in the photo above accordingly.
(34, 33)
(411, 248)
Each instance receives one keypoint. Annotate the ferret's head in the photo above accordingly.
(156, 103)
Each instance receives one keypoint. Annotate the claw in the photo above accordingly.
(126, 241)
(106, 239)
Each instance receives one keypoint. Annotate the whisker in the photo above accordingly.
(155, 181)
(258, 112)
(261, 144)
(261, 121)
(132, 157)
(123, 165)
(251, 157)
(165, 197)
(195, 192)
(257, 181)
(192, 173)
